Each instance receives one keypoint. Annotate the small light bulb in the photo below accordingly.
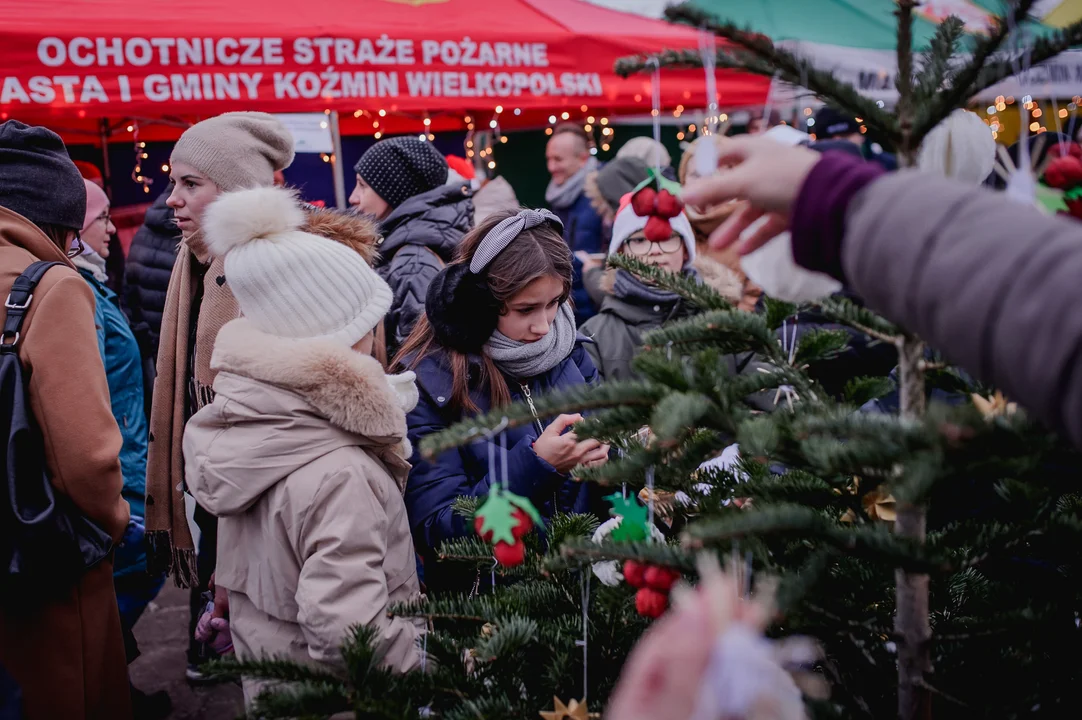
(145, 156)
(1033, 126)
(518, 111)
(428, 121)
(383, 113)
(146, 188)
(548, 131)
(590, 119)
(499, 109)
(142, 144)
(584, 108)
(680, 136)
(565, 115)
(358, 113)
(131, 128)
(605, 147)
(431, 137)
(378, 135)
(491, 164)
(552, 118)
(492, 124)
(165, 168)
(422, 137)
(654, 112)
(691, 128)
(638, 97)
(470, 126)
(375, 123)
(604, 121)
(588, 127)
(469, 143)
(503, 139)
(323, 124)
(469, 153)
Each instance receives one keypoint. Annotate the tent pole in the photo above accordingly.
(336, 158)
(107, 178)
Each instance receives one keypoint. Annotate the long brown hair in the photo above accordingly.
(535, 253)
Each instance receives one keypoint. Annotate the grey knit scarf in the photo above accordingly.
(563, 196)
(526, 360)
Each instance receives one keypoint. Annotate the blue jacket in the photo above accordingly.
(583, 230)
(433, 485)
(124, 371)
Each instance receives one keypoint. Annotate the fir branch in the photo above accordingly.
(309, 701)
(677, 414)
(845, 311)
(721, 330)
(280, 668)
(577, 553)
(820, 345)
(861, 390)
(509, 637)
(691, 289)
(936, 60)
(772, 61)
(465, 506)
(777, 311)
(575, 399)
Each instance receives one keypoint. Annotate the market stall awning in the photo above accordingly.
(72, 62)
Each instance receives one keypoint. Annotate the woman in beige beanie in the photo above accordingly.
(224, 153)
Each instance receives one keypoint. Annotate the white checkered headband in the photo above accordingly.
(505, 232)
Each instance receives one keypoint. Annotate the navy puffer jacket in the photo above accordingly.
(433, 485)
(583, 230)
(419, 238)
(146, 274)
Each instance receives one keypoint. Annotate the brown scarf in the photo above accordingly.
(169, 541)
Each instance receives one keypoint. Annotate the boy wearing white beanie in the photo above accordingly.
(302, 453)
(632, 307)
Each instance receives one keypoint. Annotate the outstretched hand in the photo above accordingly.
(764, 172)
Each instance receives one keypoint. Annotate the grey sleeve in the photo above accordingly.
(411, 272)
(993, 284)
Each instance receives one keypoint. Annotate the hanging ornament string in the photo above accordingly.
(708, 53)
(655, 111)
(585, 580)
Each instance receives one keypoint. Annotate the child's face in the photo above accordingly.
(528, 315)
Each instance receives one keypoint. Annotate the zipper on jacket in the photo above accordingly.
(533, 408)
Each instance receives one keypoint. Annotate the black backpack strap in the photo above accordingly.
(18, 302)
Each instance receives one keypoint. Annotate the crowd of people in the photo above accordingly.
(245, 414)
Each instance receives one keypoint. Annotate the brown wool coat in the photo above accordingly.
(67, 655)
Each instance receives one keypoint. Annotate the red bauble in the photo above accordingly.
(668, 205)
(524, 524)
(657, 229)
(660, 579)
(1064, 172)
(644, 201)
(651, 603)
(478, 523)
(634, 573)
(509, 555)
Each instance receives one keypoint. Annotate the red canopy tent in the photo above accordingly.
(69, 63)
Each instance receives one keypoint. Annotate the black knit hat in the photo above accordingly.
(37, 178)
(831, 122)
(401, 167)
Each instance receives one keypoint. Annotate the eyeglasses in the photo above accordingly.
(104, 217)
(642, 246)
(77, 247)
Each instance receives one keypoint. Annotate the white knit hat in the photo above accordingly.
(627, 223)
(287, 282)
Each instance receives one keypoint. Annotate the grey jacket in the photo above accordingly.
(994, 285)
(617, 332)
(419, 238)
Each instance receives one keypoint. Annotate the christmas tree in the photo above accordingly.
(934, 553)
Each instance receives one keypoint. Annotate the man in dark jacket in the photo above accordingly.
(401, 181)
(146, 274)
(568, 159)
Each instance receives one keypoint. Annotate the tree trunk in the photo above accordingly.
(911, 594)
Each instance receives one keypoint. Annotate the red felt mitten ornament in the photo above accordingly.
(635, 573)
(504, 519)
(660, 578)
(657, 229)
(651, 603)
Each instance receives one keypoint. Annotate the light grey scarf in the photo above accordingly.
(92, 262)
(526, 360)
(562, 196)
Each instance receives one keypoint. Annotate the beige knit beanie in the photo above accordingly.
(287, 282)
(236, 150)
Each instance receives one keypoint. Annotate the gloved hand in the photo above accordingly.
(135, 532)
(215, 632)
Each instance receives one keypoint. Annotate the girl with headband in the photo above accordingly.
(498, 328)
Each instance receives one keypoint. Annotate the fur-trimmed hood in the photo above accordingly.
(282, 404)
(351, 229)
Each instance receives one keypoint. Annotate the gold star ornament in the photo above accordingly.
(572, 711)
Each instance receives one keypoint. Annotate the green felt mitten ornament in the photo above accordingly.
(503, 520)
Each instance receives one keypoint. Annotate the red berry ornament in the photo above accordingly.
(651, 603)
(1065, 149)
(524, 524)
(1074, 207)
(1064, 172)
(634, 573)
(509, 554)
(478, 524)
(668, 205)
(643, 201)
(660, 579)
(657, 229)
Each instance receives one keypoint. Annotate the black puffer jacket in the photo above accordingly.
(419, 238)
(146, 274)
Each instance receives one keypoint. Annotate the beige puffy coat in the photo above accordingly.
(301, 456)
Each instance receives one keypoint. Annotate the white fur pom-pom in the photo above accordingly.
(961, 147)
(245, 215)
(772, 268)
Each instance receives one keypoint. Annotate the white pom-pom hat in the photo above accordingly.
(287, 282)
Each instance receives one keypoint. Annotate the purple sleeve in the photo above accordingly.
(818, 220)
